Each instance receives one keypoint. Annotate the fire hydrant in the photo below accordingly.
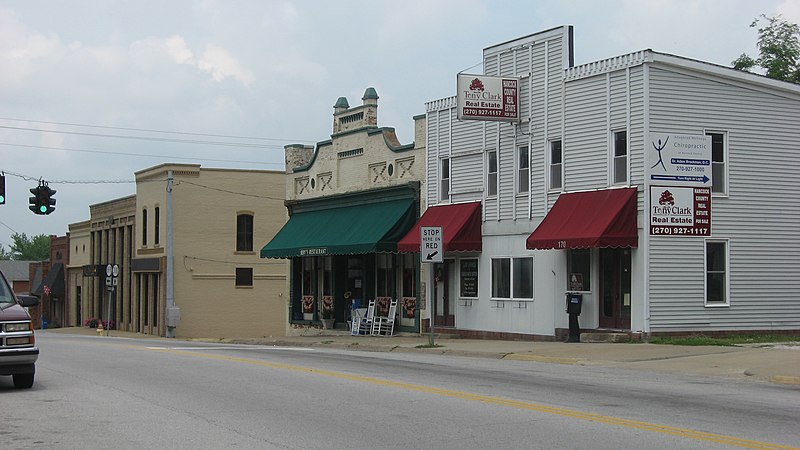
(100, 328)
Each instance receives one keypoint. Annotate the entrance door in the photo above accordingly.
(615, 280)
(443, 293)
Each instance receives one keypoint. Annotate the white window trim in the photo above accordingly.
(727, 302)
(497, 173)
(726, 156)
(447, 198)
(550, 187)
(511, 297)
(519, 170)
(612, 172)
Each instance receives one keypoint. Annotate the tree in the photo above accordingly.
(778, 47)
(36, 248)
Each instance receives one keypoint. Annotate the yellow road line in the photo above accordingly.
(674, 431)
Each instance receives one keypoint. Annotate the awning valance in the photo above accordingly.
(604, 218)
(461, 228)
(344, 230)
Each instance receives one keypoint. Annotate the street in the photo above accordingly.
(109, 392)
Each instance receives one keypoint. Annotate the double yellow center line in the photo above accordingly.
(674, 431)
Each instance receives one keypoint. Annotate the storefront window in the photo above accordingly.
(308, 276)
(512, 275)
(579, 263)
(409, 275)
(409, 285)
(385, 268)
(501, 278)
(327, 275)
(523, 278)
(469, 278)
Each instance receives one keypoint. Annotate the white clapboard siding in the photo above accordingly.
(759, 217)
(467, 175)
(585, 145)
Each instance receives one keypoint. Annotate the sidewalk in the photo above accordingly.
(776, 363)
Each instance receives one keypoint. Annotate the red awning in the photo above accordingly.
(604, 218)
(461, 228)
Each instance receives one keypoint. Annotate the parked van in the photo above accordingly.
(18, 350)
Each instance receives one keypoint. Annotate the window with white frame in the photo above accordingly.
(556, 158)
(491, 173)
(620, 163)
(512, 278)
(717, 273)
(719, 180)
(523, 170)
(444, 190)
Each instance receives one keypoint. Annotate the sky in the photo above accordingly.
(92, 91)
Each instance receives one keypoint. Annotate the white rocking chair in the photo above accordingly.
(384, 326)
(363, 324)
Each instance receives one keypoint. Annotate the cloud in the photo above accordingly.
(215, 60)
(220, 64)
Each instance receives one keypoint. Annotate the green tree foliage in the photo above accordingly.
(778, 47)
(35, 248)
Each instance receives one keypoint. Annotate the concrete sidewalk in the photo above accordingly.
(776, 363)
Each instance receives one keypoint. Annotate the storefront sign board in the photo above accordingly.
(678, 159)
(680, 211)
(481, 97)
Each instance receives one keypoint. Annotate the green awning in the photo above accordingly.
(344, 230)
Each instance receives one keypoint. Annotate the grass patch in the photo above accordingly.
(327, 342)
(429, 346)
(732, 340)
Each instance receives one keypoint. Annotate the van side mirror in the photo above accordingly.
(27, 300)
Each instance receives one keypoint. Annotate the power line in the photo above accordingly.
(147, 138)
(149, 130)
(137, 154)
(229, 192)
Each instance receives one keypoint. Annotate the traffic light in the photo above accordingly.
(48, 202)
(42, 202)
(2, 189)
(34, 201)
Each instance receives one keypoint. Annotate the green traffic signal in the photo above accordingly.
(42, 202)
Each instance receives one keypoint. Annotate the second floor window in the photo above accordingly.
(556, 158)
(719, 183)
(445, 177)
(620, 167)
(523, 169)
(144, 228)
(491, 173)
(244, 233)
(156, 219)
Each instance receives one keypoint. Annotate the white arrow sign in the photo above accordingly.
(430, 244)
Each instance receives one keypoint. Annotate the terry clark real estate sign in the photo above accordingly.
(679, 179)
(481, 97)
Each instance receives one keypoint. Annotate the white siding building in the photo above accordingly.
(588, 138)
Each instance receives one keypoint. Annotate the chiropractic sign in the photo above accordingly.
(678, 159)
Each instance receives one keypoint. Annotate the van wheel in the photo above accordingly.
(23, 380)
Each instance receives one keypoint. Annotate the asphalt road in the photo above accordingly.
(106, 392)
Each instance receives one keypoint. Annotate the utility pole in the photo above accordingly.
(170, 280)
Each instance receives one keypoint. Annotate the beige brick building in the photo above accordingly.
(220, 287)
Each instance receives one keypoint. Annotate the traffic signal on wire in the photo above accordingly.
(2, 189)
(42, 202)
